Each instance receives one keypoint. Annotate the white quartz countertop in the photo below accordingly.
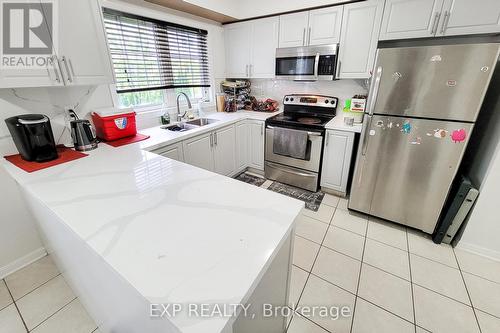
(176, 233)
(337, 123)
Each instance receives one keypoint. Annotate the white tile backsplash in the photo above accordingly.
(277, 89)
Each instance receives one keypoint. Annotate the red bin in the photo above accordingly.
(115, 126)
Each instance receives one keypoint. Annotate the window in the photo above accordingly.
(151, 56)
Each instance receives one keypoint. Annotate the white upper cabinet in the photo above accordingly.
(251, 48)
(324, 25)
(358, 42)
(237, 37)
(263, 41)
(410, 19)
(315, 27)
(80, 55)
(293, 29)
(462, 17)
(83, 52)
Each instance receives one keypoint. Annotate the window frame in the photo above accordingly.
(169, 95)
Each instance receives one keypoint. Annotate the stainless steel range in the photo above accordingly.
(295, 138)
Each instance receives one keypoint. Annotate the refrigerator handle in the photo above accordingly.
(366, 130)
(372, 95)
(372, 99)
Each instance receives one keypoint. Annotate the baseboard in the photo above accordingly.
(22, 262)
(491, 254)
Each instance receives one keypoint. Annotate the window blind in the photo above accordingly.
(148, 54)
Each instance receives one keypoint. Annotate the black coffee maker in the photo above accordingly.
(33, 137)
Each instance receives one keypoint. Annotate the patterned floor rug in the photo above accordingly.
(250, 179)
(312, 199)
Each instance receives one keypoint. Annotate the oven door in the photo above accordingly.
(313, 155)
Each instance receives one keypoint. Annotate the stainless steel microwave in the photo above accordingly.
(308, 63)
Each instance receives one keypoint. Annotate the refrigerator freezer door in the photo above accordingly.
(445, 82)
(405, 168)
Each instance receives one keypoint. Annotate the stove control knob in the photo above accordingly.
(286, 99)
(326, 101)
(291, 99)
(332, 102)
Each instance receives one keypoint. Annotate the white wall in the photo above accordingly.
(19, 240)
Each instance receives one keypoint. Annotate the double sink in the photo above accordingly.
(189, 125)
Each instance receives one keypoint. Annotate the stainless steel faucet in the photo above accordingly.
(179, 117)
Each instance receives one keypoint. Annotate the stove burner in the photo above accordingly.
(309, 121)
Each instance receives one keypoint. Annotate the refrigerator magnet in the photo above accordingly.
(372, 132)
(440, 133)
(406, 128)
(459, 135)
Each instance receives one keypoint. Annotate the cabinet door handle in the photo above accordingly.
(445, 21)
(65, 62)
(435, 23)
(55, 64)
(215, 138)
(327, 139)
(71, 67)
(211, 140)
(304, 37)
(309, 36)
(262, 130)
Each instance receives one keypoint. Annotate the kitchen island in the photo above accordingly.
(138, 235)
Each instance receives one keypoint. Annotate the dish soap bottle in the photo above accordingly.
(165, 118)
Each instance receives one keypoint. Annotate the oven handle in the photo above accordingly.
(308, 133)
(290, 170)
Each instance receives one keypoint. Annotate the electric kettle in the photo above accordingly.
(83, 134)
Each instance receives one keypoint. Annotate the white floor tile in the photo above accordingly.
(478, 265)
(345, 242)
(439, 278)
(421, 330)
(422, 245)
(386, 232)
(387, 291)
(351, 221)
(45, 301)
(330, 200)
(31, 277)
(369, 318)
(343, 203)
(338, 269)
(297, 284)
(301, 325)
(72, 318)
(438, 313)
(322, 293)
(304, 253)
(387, 258)
(485, 295)
(5, 298)
(310, 228)
(488, 323)
(324, 213)
(10, 321)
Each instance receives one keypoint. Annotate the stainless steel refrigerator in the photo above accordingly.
(421, 110)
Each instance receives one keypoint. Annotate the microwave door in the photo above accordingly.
(297, 68)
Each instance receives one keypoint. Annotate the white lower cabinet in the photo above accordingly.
(175, 152)
(213, 151)
(198, 151)
(256, 140)
(337, 160)
(224, 151)
(242, 145)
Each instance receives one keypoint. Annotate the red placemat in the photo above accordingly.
(65, 155)
(128, 140)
